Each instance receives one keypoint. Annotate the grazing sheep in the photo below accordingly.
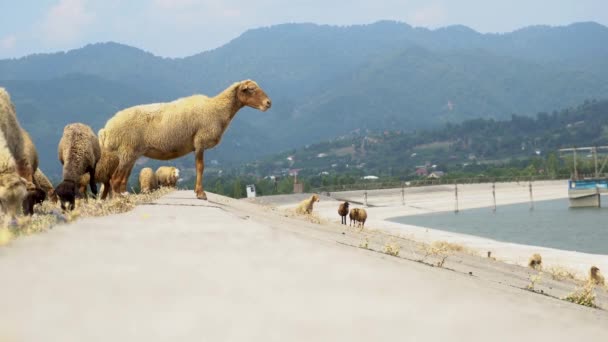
(535, 261)
(170, 130)
(358, 215)
(43, 183)
(167, 176)
(15, 172)
(305, 207)
(147, 180)
(35, 194)
(595, 277)
(79, 153)
(104, 170)
(343, 211)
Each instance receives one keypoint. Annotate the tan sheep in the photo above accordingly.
(170, 130)
(535, 261)
(595, 277)
(42, 182)
(359, 215)
(104, 170)
(103, 173)
(79, 153)
(305, 207)
(167, 176)
(15, 172)
(147, 180)
(35, 194)
(343, 211)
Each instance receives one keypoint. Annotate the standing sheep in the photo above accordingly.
(147, 180)
(170, 130)
(305, 207)
(343, 211)
(79, 153)
(167, 176)
(15, 171)
(358, 215)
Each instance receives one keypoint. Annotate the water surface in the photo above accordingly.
(551, 224)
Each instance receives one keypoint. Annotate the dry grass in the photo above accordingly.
(534, 280)
(50, 214)
(584, 295)
(442, 250)
(392, 248)
(364, 244)
(561, 273)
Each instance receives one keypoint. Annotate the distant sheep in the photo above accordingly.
(358, 215)
(79, 153)
(305, 207)
(535, 261)
(343, 211)
(147, 180)
(170, 130)
(595, 277)
(167, 176)
(14, 167)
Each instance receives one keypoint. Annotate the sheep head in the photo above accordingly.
(250, 94)
(66, 191)
(12, 192)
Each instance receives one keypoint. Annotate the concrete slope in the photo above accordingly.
(189, 270)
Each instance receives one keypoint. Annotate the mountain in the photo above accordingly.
(324, 81)
(453, 146)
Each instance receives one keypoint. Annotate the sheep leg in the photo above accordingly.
(92, 182)
(121, 176)
(200, 167)
(106, 190)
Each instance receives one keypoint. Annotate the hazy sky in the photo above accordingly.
(175, 28)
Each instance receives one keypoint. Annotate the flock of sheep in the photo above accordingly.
(356, 215)
(160, 131)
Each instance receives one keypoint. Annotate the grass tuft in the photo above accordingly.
(583, 295)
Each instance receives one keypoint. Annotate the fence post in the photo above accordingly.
(402, 193)
(456, 195)
(531, 196)
(494, 195)
(365, 196)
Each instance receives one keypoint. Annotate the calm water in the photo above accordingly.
(551, 224)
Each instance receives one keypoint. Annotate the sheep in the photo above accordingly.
(103, 173)
(535, 261)
(15, 172)
(79, 153)
(358, 215)
(305, 207)
(166, 131)
(595, 277)
(35, 194)
(147, 180)
(43, 183)
(343, 211)
(104, 170)
(167, 176)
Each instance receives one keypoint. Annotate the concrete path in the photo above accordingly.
(188, 270)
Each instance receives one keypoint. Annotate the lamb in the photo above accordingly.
(43, 183)
(358, 215)
(343, 211)
(167, 176)
(79, 153)
(166, 131)
(103, 172)
(147, 180)
(595, 277)
(535, 261)
(15, 172)
(305, 207)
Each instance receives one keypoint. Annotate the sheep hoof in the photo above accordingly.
(201, 195)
